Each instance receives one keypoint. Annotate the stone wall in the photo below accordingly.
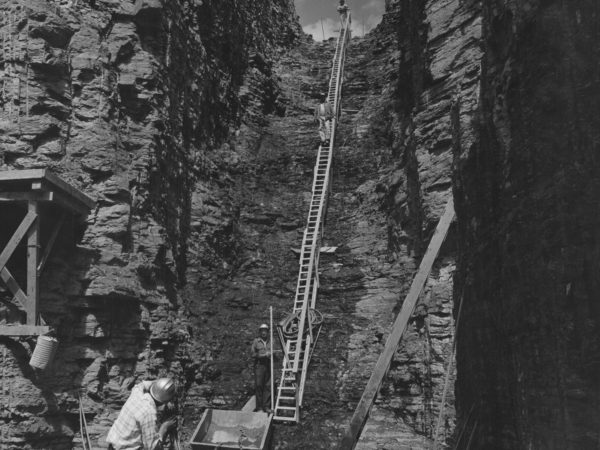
(528, 214)
(427, 112)
(126, 100)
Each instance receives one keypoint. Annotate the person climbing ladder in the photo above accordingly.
(323, 115)
(343, 10)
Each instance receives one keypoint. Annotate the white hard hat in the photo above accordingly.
(264, 326)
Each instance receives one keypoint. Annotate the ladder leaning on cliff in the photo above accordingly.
(298, 349)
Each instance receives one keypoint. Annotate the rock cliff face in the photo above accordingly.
(127, 101)
(526, 191)
(190, 122)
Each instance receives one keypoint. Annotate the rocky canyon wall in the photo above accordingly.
(125, 100)
(528, 226)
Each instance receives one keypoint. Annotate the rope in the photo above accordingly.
(289, 325)
(447, 377)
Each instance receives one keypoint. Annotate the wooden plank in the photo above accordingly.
(33, 244)
(50, 243)
(23, 330)
(26, 196)
(69, 190)
(39, 175)
(16, 238)
(16, 175)
(13, 286)
(383, 363)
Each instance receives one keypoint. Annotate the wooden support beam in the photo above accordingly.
(383, 363)
(18, 235)
(26, 196)
(69, 190)
(23, 330)
(50, 243)
(33, 247)
(13, 286)
(45, 179)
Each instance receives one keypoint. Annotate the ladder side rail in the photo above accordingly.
(339, 71)
(316, 239)
(308, 357)
(308, 280)
(338, 51)
(302, 321)
(303, 372)
(300, 270)
(314, 249)
(335, 55)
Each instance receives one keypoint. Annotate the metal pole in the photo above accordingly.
(272, 380)
(322, 28)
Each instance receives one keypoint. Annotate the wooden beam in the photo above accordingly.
(18, 235)
(14, 287)
(37, 176)
(23, 330)
(26, 196)
(383, 363)
(16, 175)
(33, 248)
(50, 243)
(70, 190)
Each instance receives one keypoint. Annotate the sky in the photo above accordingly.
(364, 12)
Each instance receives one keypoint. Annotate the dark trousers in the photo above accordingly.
(262, 375)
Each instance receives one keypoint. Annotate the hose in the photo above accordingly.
(289, 325)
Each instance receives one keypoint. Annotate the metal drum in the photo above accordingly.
(44, 352)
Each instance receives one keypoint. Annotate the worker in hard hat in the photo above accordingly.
(136, 427)
(262, 367)
(343, 10)
(323, 115)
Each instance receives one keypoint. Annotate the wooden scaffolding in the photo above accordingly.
(36, 190)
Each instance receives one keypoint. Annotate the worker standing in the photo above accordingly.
(343, 10)
(136, 427)
(324, 114)
(262, 367)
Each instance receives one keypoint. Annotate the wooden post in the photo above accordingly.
(33, 241)
(272, 380)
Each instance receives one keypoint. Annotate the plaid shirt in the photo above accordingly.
(135, 428)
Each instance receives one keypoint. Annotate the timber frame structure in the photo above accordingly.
(33, 189)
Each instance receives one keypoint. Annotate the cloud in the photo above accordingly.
(331, 27)
(377, 5)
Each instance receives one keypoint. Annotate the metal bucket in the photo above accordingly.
(44, 352)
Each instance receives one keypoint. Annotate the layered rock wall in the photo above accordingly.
(528, 214)
(125, 100)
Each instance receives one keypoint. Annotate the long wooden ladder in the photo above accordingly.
(298, 350)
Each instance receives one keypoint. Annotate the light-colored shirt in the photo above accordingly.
(259, 349)
(324, 110)
(136, 426)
